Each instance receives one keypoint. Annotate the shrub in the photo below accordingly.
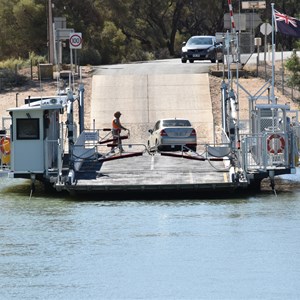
(10, 78)
(293, 66)
(11, 63)
(35, 59)
(89, 56)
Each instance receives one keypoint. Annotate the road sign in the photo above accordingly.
(60, 22)
(63, 33)
(75, 40)
(265, 28)
(253, 4)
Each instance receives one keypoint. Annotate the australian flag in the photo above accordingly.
(287, 25)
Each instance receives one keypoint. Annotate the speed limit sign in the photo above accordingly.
(75, 40)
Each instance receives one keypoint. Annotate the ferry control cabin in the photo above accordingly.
(34, 134)
(38, 137)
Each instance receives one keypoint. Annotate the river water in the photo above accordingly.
(53, 247)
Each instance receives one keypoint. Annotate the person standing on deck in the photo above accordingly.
(117, 127)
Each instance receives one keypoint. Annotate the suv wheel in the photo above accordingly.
(191, 61)
(183, 60)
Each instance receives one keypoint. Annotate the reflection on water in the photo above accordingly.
(56, 248)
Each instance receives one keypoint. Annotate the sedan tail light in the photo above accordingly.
(163, 133)
(193, 133)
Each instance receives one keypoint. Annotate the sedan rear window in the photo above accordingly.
(170, 123)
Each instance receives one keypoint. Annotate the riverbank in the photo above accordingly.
(35, 88)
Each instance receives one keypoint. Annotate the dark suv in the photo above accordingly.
(202, 47)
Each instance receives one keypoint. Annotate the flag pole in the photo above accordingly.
(273, 56)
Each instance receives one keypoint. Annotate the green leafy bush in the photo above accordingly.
(11, 63)
(293, 66)
(89, 56)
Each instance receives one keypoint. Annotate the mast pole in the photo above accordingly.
(273, 56)
(50, 33)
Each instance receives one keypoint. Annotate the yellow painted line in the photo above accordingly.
(225, 177)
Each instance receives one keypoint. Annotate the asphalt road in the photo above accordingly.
(147, 91)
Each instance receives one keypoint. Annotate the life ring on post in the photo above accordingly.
(273, 146)
(5, 145)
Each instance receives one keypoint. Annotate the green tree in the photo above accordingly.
(116, 31)
(113, 43)
(7, 28)
(204, 17)
(31, 27)
(22, 28)
(152, 22)
(293, 66)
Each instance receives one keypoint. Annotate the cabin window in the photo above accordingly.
(28, 129)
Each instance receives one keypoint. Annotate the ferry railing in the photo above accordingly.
(224, 137)
(218, 150)
(93, 144)
(108, 144)
(56, 149)
(84, 148)
(60, 151)
(52, 156)
(265, 151)
(106, 150)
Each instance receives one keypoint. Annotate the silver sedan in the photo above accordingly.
(172, 135)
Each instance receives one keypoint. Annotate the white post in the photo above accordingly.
(273, 56)
(71, 75)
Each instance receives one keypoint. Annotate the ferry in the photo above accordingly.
(43, 140)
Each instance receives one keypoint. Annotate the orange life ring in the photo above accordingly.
(5, 145)
(271, 145)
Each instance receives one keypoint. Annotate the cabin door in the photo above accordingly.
(51, 124)
(27, 146)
